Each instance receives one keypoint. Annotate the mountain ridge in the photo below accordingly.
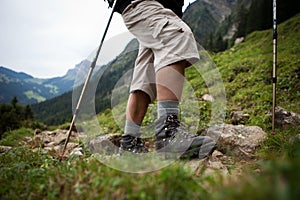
(216, 24)
(14, 73)
(30, 90)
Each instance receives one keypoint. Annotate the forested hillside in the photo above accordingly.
(216, 24)
(30, 90)
(59, 110)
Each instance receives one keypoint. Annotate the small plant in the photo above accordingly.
(15, 137)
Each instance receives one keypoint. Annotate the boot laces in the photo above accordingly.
(173, 126)
(137, 145)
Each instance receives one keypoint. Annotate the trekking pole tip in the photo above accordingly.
(273, 132)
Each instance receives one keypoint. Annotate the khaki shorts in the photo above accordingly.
(164, 39)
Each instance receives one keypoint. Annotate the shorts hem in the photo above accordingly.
(191, 59)
(150, 93)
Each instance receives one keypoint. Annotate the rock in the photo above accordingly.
(207, 97)
(294, 139)
(48, 148)
(217, 154)
(50, 144)
(238, 117)
(105, 144)
(77, 151)
(60, 138)
(5, 149)
(72, 145)
(217, 165)
(193, 164)
(58, 148)
(239, 40)
(53, 141)
(239, 140)
(37, 131)
(284, 117)
(209, 166)
(42, 138)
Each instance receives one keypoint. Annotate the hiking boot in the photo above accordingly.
(132, 144)
(173, 141)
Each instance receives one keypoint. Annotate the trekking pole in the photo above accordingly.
(274, 79)
(93, 64)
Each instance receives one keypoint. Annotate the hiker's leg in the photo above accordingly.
(169, 81)
(136, 109)
(169, 85)
(171, 138)
(142, 92)
(137, 106)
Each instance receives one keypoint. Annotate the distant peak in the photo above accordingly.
(10, 72)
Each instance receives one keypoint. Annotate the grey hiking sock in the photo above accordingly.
(165, 108)
(132, 128)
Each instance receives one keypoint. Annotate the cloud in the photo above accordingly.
(51, 34)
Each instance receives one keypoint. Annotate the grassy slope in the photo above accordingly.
(246, 71)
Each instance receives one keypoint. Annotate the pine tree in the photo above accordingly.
(241, 19)
(13, 116)
(28, 113)
(14, 102)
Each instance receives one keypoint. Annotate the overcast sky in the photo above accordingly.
(45, 38)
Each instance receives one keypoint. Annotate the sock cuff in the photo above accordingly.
(165, 108)
(168, 104)
(132, 128)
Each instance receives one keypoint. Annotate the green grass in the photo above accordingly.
(53, 88)
(36, 175)
(15, 137)
(25, 174)
(32, 95)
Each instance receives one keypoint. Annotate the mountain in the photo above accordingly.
(31, 90)
(217, 23)
(59, 109)
(205, 16)
(65, 83)
(212, 19)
